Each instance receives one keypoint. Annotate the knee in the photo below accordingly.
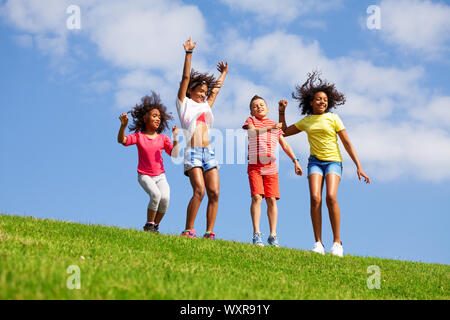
(165, 198)
(331, 200)
(155, 196)
(256, 199)
(271, 202)
(199, 193)
(213, 195)
(316, 200)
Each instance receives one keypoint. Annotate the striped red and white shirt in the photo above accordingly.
(261, 147)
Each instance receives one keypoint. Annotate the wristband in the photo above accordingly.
(189, 51)
(293, 160)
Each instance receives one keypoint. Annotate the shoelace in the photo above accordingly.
(256, 234)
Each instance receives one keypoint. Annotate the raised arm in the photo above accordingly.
(288, 131)
(121, 138)
(352, 153)
(223, 69)
(189, 48)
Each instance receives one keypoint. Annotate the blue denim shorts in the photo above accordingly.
(198, 157)
(323, 167)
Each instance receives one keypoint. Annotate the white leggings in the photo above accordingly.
(158, 189)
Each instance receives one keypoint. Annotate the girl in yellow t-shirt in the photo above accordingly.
(316, 98)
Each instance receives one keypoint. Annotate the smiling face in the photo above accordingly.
(259, 109)
(153, 120)
(199, 93)
(320, 103)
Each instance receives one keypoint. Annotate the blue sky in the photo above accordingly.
(63, 90)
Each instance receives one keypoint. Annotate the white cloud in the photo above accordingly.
(436, 113)
(278, 56)
(144, 39)
(136, 84)
(45, 19)
(283, 58)
(383, 104)
(148, 34)
(44, 16)
(282, 10)
(232, 104)
(390, 119)
(419, 25)
(406, 149)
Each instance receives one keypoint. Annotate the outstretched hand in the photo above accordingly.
(189, 45)
(123, 119)
(282, 104)
(222, 67)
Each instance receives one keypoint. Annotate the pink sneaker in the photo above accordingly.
(210, 235)
(189, 233)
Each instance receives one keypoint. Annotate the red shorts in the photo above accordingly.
(265, 185)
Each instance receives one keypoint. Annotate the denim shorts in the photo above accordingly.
(323, 167)
(198, 157)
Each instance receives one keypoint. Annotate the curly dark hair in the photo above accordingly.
(198, 78)
(141, 111)
(306, 92)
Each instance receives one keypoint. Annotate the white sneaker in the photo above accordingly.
(337, 249)
(318, 248)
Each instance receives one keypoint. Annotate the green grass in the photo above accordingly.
(119, 263)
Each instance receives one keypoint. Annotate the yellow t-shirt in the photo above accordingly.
(321, 130)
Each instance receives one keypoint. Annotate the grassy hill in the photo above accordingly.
(117, 263)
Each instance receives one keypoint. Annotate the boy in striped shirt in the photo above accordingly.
(263, 136)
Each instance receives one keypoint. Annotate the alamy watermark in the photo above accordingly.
(73, 22)
(373, 21)
(234, 147)
(374, 281)
(74, 280)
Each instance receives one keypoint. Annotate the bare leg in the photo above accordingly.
(332, 181)
(272, 214)
(255, 211)
(212, 184)
(198, 188)
(151, 214)
(315, 190)
(159, 216)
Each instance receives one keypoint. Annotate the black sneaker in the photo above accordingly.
(151, 227)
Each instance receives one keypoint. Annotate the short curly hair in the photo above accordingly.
(305, 93)
(140, 111)
(198, 78)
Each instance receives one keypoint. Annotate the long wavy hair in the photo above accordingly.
(305, 93)
(198, 78)
(142, 110)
